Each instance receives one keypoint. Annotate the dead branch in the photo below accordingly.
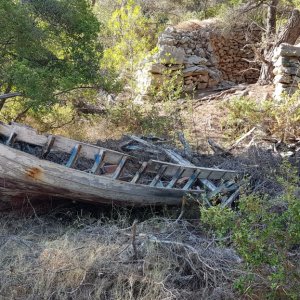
(186, 145)
(244, 136)
(10, 95)
(133, 237)
(219, 95)
(217, 148)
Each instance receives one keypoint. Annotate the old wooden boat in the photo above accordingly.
(36, 165)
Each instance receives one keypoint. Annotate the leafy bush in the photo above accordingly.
(220, 220)
(142, 119)
(132, 39)
(266, 233)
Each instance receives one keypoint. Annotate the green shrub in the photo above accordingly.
(266, 233)
(220, 220)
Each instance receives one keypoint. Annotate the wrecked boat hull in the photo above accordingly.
(25, 174)
(33, 165)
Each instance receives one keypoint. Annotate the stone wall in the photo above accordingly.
(205, 56)
(286, 61)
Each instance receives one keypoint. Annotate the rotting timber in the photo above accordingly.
(50, 166)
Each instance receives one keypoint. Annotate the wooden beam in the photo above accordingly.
(140, 172)
(157, 178)
(10, 141)
(74, 156)
(120, 167)
(98, 162)
(48, 146)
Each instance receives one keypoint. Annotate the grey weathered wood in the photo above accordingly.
(157, 178)
(9, 95)
(48, 146)
(214, 174)
(30, 136)
(140, 172)
(192, 180)
(99, 158)
(11, 139)
(230, 200)
(175, 178)
(27, 173)
(74, 156)
(178, 159)
(181, 161)
(120, 167)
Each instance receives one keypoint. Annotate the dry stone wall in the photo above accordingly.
(286, 61)
(204, 56)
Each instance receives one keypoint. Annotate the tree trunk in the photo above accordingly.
(289, 34)
(6, 95)
(271, 19)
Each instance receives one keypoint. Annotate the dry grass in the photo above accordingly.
(70, 257)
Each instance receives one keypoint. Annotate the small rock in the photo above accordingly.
(196, 70)
(195, 60)
(171, 55)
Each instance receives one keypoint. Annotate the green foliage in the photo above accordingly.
(143, 119)
(47, 47)
(265, 232)
(274, 118)
(132, 37)
(218, 219)
(168, 88)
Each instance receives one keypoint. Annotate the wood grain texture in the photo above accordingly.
(30, 174)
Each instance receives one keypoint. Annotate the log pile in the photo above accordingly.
(205, 56)
(287, 70)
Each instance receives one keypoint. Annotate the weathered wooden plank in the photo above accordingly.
(157, 178)
(74, 156)
(140, 172)
(99, 158)
(120, 167)
(175, 178)
(10, 141)
(30, 136)
(48, 146)
(213, 174)
(192, 180)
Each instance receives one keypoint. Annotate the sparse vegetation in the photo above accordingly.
(275, 119)
(60, 57)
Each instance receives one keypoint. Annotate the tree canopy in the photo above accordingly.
(46, 48)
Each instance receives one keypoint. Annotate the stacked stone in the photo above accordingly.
(197, 59)
(286, 61)
(204, 56)
(234, 56)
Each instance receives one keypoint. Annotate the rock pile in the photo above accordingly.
(286, 61)
(204, 56)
